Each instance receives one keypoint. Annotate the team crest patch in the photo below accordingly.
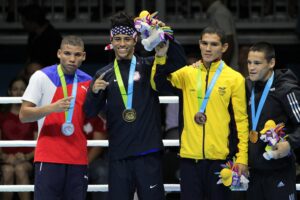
(136, 76)
(222, 91)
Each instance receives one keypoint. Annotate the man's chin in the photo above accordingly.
(70, 72)
(252, 78)
(123, 56)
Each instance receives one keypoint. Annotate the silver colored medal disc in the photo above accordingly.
(67, 129)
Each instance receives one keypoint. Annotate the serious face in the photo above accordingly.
(17, 88)
(123, 46)
(71, 58)
(211, 48)
(259, 68)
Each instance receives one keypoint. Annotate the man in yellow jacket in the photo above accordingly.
(208, 91)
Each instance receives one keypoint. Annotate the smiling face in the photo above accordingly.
(259, 68)
(123, 46)
(211, 48)
(71, 58)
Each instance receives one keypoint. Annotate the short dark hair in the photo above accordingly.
(214, 30)
(122, 19)
(264, 47)
(34, 13)
(72, 40)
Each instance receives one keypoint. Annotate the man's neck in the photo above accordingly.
(207, 64)
(127, 58)
(268, 75)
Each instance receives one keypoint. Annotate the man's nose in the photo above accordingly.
(208, 47)
(72, 58)
(251, 66)
(122, 42)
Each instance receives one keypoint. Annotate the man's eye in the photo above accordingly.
(78, 54)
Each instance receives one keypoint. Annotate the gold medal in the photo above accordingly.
(200, 118)
(253, 136)
(129, 115)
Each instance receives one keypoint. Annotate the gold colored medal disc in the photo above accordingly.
(253, 136)
(129, 115)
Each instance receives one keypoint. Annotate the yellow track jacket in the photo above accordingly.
(210, 141)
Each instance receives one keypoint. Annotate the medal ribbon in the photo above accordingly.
(199, 88)
(69, 113)
(210, 87)
(127, 97)
(255, 115)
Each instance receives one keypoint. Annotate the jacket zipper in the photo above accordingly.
(203, 140)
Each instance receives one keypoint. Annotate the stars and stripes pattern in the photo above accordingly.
(125, 30)
(294, 105)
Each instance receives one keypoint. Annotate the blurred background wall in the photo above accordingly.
(256, 20)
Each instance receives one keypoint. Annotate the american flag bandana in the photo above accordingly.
(120, 30)
(125, 30)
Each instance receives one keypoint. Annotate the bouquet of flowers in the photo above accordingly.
(272, 134)
(152, 30)
(230, 178)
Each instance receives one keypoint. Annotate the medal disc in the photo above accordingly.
(67, 129)
(253, 136)
(200, 118)
(129, 115)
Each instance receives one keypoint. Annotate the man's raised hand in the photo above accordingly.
(62, 104)
(99, 84)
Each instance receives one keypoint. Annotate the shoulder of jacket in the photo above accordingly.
(232, 72)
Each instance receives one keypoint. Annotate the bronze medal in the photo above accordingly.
(253, 136)
(129, 115)
(200, 118)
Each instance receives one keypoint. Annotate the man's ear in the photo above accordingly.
(58, 53)
(272, 63)
(135, 39)
(84, 56)
(225, 47)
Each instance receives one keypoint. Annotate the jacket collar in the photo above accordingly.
(213, 67)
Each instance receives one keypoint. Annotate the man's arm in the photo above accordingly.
(291, 106)
(96, 95)
(167, 64)
(30, 112)
(239, 106)
(241, 118)
(290, 101)
(175, 58)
